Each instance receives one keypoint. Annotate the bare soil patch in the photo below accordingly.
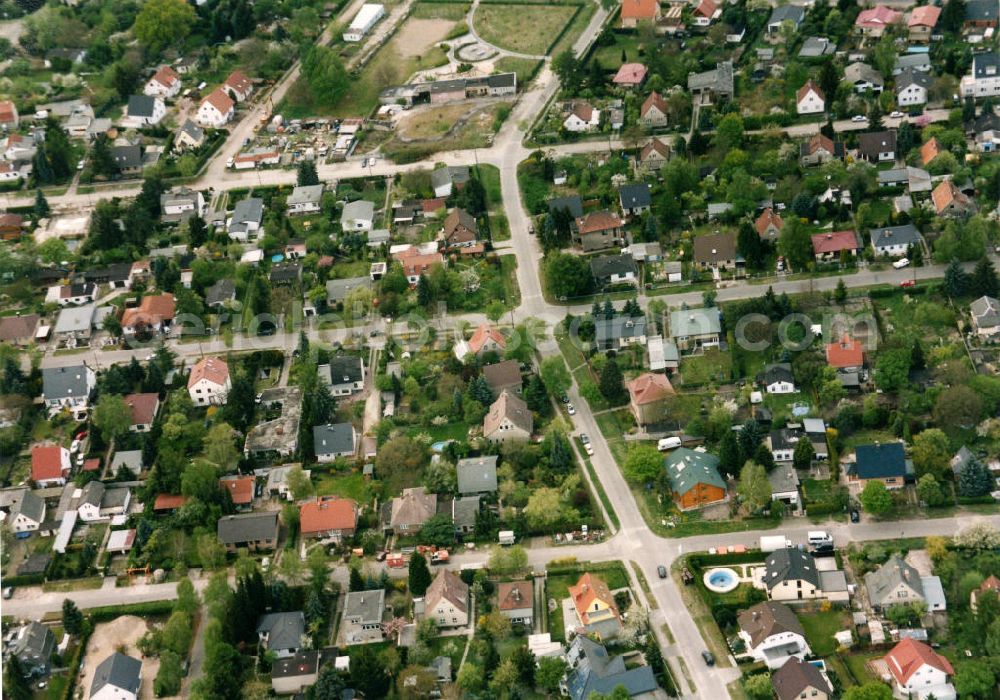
(120, 634)
(416, 36)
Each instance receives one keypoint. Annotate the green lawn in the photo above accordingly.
(452, 647)
(440, 10)
(451, 431)
(856, 665)
(524, 67)
(352, 485)
(527, 29)
(575, 29)
(820, 628)
(711, 367)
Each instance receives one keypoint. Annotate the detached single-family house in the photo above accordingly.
(653, 156)
(358, 216)
(516, 601)
(772, 634)
(694, 329)
(68, 387)
(985, 313)
(918, 672)
(819, 149)
(344, 375)
(329, 517)
(705, 12)
(800, 680)
(714, 85)
(333, 441)
(635, 199)
(619, 331)
(33, 645)
(984, 78)
(581, 116)
(950, 201)
(220, 294)
(592, 672)
(487, 338)
(778, 378)
(460, 230)
(809, 99)
(845, 354)
(922, 22)
(877, 146)
(508, 420)
(448, 179)
(164, 84)
(408, 513)
(50, 465)
(882, 461)
(27, 513)
(895, 241)
(216, 110)
(153, 316)
(613, 269)
(304, 199)
(363, 613)
(654, 112)
(116, 678)
(874, 21)
(694, 479)
(894, 583)
(190, 135)
(9, 118)
(769, 225)
(282, 633)
(595, 607)
(209, 381)
(863, 78)
(143, 409)
(143, 110)
(71, 294)
(649, 396)
(447, 600)
(504, 375)
(782, 442)
(830, 246)
(477, 475)
(911, 88)
(635, 11)
(630, 75)
(717, 252)
(598, 231)
(791, 14)
(415, 262)
(980, 14)
(238, 85)
(248, 216)
(790, 574)
(97, 502)
(252, 531)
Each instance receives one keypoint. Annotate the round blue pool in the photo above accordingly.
(721, 580)
(440, 445)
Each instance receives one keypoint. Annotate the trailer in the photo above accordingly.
(770, 543)
(506, 537)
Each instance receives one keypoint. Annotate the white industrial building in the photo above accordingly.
(367, 17)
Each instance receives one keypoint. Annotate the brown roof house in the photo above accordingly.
(486, 338)
(929, 151)
(800, 679)
(18, 330)
(654, 112)
(409, 512)
(648, 397)
(599, 230)
(516, 601)
(819, 149)
(951, 201)
(329, 517)
(772, 633)
(253, 531)
(143, 409)
(460, 230)
(717, 251)
(153, 315)
(769, 225)
(595, 607)
(447, 600)
(653, 156)
(508, 420)
(502, 376)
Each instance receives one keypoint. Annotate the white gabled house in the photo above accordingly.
(810, 99)
(165, 84)
(216, 110)
(209, 382)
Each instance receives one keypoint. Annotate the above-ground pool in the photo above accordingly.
(439, 446)
(721, 580)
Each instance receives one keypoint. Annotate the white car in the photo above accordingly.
(589, 449)
(896, 114)
(901, 263)
(859, 118)
(79, 459)
(74, 446)
(570, 409)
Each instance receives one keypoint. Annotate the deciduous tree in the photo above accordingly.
(875, 498)
(161, 23)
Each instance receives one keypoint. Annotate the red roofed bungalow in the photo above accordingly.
(845, 353)
(769, 224)
(635, 11)
(50, 465)
(328, 516)
(922, 21)
(630, 75)
(240, 489)
(487, 338)
(875, 20)
(92, 465)
(827, 246)
(166, 502)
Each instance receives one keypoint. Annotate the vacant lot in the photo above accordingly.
(440, 10)
(528, 29)
(120, 634)
(419, 35)
(429, 132)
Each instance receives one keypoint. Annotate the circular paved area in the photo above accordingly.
(475, 52)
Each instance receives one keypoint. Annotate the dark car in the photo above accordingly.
(662, 571)
(855, 515)
(709, 658)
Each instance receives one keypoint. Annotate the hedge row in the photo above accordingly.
(823, 509)
(74, 666)
(702, 561)
(26, 580)
(975, 500)
(110, 612)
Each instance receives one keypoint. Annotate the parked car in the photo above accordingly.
(584, 438)
(709, 657)
(855, 515)
(589, 449)
(901, 263)
(907, 283)
(8, 592)
(570, 409)
(661, 571)
(896, 114)
(859, 118)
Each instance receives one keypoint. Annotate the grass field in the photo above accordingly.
(524, 67)
(351, 485)
(440, 10)
(575, 29)
(474, 133)
(820, 628)
(527, 29)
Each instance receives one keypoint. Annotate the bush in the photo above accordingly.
(110, 612)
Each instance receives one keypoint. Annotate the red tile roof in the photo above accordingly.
(706, 8)
(834, 242)
(930, 150)
(926, 16)
(945, 194)
(877, 16)
(586, 591)
(630, 74)
(639, 9)
(166, 76)
(598, 221)
(152, 310)
(238, 82)
(240, 488)
(328, 513)
(483, 333)
(169, 501)
(654, 100)
(213, 369)
(220, 100)
(907, 657)
(8, 112)
(845, 353)
(92, 465)
(809, 86)
(766, 219)
(47, 463)
(143, 407)
(654, 145)
(429, 206)
(649, 388)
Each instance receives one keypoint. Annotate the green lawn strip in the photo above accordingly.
(525, 68)
(605, 501)
(820, 628)
(856, 664)
(644, 584)
(835, 664)
(352, 485)
(575, 29)
(440, 10)
(452, 647)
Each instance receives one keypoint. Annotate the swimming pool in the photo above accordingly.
(721, 580)
(440, 445)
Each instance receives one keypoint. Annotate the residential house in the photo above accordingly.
(695, 329)
(650, 252)
(240, 489)
(654, 113)
(834, 244)
(487, 338)
(714, 85)
(983, 79)
(873, 21)
(180, 204)
(415, 262)
(663, 354)
(694, 479)
(27, 513)
(116, 678)
(920, 61)
(516, 601)
(596, 611)
(33, 645)
(930, 150)
(144, 110)
(799, 680)
(845, 354)
(448, 179)
(950, 201)
(216, 110)
(285, 273)
(247, 218)
(635, 11)
(344, 375)
(164, 84)
(189, 136)
(143, 409)
(98, 502)
(791, 14)
(277, 480)
(894, 583)
(304, 199)
(75, 323)
(447, 600)
(769, 225)
(71, 294)
(619, 331)
(598, 231)
(508, 420)
(922, 22)
(238, 85)
(68, 387)
(895, 241)
(635, 199)
(911, 88)
(18, 330)
(790, 574)
(220, 294)
(252, 531)
(581, 116)
(863, 78)
(502, 376)
(885, 462)
(464, 511)
(333, 441)
(282, 633)
(815, 429)
(128, 160)
(50, 465)
(778, 378)
(985, 312)
(329, 517)
(649, 397)
(9, 118)
(772, 634)
(782, 442)
(358, 216)
(985, 132)
(877, 146)
(610, 270)
(705, 12)
(809, 99)
(477, 475)
(153, 316)
(990, 584)
(918, 672)
(630, 75)
(592, 672)
(784, 482)
(408, 512)
(816, 47)
(209, 381)
(717, 252)
(363, 613)
(338, 290)
(819, 149)
(460, 230)
(653, 156)
(980, 14)
(292, 675)
(11, 227)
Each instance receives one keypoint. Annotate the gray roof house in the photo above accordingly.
(713, 85)
(913, 61)
(635, 198)
(863, 77)
(893, 583)
(358, 216)
(337, 290)
(695, 327)
(787, 566)
(141, 106)
(128, 159)
(593, 670)
(28, 512)
(985, 313)
(961, 459)
(573, 204)
(785, 13)
(334, 440)
(477, 475)
(67, 384)
(220, 293)
(304, 199)
(613, 269)
(282, 632)
(119, 674)
(817, 46)
(247, 217)
(894, 240)
(75, 321)
(619, 331)
(33, 646)
(344, 375)
(362, 620)
(463, 513)
(252, 530)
